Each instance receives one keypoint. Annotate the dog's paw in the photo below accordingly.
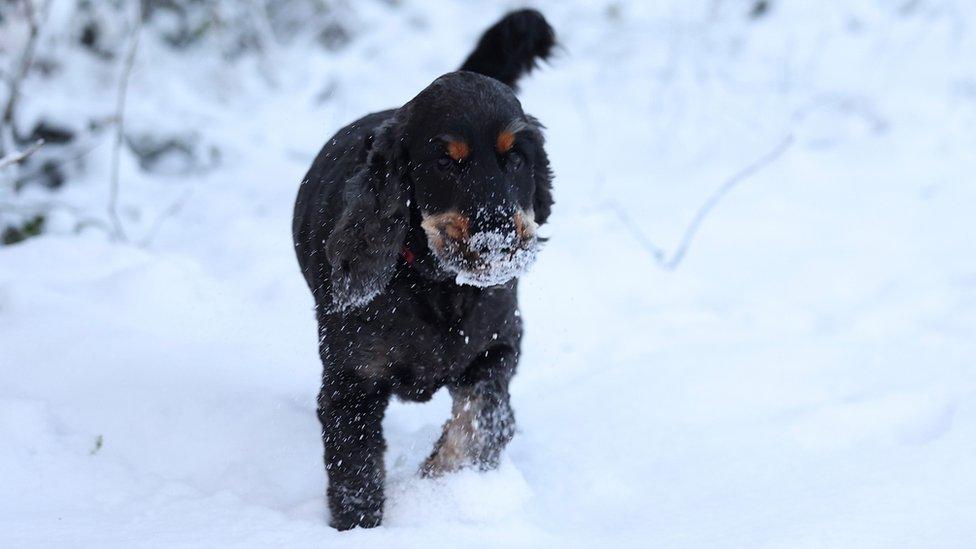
(355, 507)
(437, 465)
(347, 519)
(452, 453)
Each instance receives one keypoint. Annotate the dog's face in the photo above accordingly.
(460, 166)
(476, 164)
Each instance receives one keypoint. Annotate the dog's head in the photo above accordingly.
(480, 177)
(465, 157)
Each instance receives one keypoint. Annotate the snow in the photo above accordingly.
(501, 258)
(803, 378)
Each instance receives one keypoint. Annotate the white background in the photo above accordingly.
(804, 378)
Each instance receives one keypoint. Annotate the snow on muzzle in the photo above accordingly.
(488, 257)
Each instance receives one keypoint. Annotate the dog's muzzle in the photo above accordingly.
(501, 249)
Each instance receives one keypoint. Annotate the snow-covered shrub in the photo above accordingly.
(63, 61)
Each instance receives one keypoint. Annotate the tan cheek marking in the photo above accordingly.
(458, 150)
(505, 141)
(458, 228)
(454, 225)
(525, 225)
(433, 234)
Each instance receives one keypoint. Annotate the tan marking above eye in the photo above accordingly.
(505, 141)
(458, 150)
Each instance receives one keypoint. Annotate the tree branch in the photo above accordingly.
(113, 197)
(172, 210)
(17, 157)
(657, 253)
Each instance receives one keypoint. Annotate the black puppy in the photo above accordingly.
(411, 228)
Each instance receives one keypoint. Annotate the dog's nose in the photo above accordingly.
(492, 220)
(483, 237)
(490, 244)
(505, 220)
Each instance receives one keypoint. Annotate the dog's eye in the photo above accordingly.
(444, 163)
(513, 161)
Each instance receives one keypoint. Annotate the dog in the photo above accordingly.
(411, 228)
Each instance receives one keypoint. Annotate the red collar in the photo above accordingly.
(408, 255)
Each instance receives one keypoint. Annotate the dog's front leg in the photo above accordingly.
(351, 412)
(482, 422)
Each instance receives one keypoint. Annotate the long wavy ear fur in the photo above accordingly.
(541, 172)
(368, 237)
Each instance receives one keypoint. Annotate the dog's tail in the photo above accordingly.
(512, 47)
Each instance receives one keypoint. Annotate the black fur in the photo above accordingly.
(512, 47)
(392, 319)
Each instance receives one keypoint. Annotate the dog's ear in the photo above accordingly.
(541, 171)
(368, 236)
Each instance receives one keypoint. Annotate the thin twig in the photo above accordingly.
(657, 253)
(268, 48)
(130, 58)
(86, 144)
(653, 249)
(17, 157)
(172, 210)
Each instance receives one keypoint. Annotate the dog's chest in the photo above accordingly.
(434, 337)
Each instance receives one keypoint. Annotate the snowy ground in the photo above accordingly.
(805, 378)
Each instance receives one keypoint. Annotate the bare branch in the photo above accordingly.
(268, 49)
(172, 210)
(657, 253)
(130, 58)
(17, 157)
(85, 144)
